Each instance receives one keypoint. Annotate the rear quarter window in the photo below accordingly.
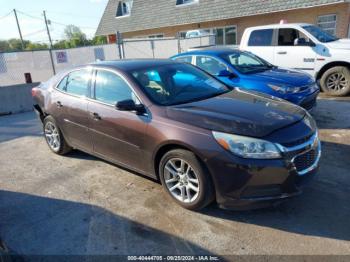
(184, 59)
(261, 37)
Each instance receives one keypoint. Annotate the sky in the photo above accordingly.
(85, 14)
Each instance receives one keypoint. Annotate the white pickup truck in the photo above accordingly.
(305, 47)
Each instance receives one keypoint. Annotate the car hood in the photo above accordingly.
(339, 44)
(281, 76)
(238, 112)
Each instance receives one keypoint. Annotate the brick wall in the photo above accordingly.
(305, 15)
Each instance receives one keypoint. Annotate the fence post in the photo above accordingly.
(178, 43)
(152, 47)
(119, 43)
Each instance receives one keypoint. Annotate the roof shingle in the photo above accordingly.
(149, 14)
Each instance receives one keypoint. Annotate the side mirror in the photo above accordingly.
(129, 105)
(226, 73)
(302, 42)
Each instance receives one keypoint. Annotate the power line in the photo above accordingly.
(53, 21)
(31, 16)
(8, 14)
(35, 32)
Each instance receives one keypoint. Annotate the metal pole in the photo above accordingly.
(178, 43)
(119, 42)
(152, 47)
(50, 50)
(19, 28)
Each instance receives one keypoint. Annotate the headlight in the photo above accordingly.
(247, 147)
(284, 89)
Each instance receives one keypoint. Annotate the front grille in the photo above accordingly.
(298, 142)
(305, 160)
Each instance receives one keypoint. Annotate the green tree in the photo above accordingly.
(74, 36)
(36, 46)
(16, 44)
(4, 46)
(99, 40)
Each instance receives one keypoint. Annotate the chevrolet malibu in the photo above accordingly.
(171, 121)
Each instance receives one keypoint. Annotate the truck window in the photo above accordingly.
(261, 37)
(288, 36)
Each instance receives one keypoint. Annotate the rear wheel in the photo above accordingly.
(186, 180)
(54, 137)
(336, 81)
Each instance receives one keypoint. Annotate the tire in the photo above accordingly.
(192, 170)
(336, 81)
(54, 137)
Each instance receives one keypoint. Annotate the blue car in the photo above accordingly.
(249, 72)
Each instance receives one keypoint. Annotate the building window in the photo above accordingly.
(328, 23)
(225, 35)
(156, 36)
(186, 2)
(124, 8)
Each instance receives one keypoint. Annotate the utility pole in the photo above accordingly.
(50, 50)
(19, 28)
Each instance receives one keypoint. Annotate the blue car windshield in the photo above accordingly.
(246, 63)
(318, 33)
(177, 84)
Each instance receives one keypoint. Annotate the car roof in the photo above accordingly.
(132, 64)
(210, 51)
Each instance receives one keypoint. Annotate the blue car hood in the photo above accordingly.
(280, 75)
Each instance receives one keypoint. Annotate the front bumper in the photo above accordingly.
(254, 183)
(306, 99)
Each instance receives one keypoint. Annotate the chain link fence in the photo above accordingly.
(37, 66)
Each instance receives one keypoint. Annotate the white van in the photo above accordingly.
(305, 47)
(197, 33)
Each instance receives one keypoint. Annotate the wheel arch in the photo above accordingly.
(172, 145)
(330, 65)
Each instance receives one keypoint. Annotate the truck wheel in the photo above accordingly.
(336, 81)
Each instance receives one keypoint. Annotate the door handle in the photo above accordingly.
(282, 52)
(95, 116)
(59, 104)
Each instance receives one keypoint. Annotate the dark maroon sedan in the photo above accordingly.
(202, 139)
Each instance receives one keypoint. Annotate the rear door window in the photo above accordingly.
(261, 37)
(210, 65)
(184, 59)
(78, 82)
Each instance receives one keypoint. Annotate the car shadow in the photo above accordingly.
(36, 225)
(19, 125)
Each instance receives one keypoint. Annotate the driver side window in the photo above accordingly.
(210, 65)
(110, 88)
(289, 36)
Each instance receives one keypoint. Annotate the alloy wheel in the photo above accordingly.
(336, 82)
(52, 136)
(181, 180)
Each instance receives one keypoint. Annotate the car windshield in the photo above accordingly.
(318, 33)
(177, 84)
(246, 63)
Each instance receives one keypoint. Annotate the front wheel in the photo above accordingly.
(336, 81)
(54, 137)
(185, 179)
